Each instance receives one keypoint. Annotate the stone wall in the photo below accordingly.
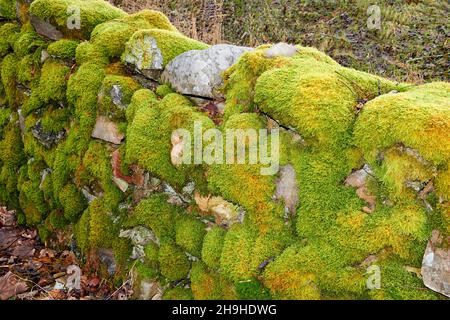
(91, 100)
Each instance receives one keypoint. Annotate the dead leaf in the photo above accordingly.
(11, 285)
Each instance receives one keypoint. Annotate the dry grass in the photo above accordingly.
(412, 44)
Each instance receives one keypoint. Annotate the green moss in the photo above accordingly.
(210, 285)
(57, 219)
(8, 9)
(178, 293)
(55, 119)
(236, 263)
(316, 98)
(256, 190)
(149, 138)
(113, 108)
(418, 118)
(143, 98)
(52, 84)
(155, 213)
(399, 284)
(163, 90)
(86, 52)
(8, 35)
(173, 262)
(212, 247)
(252, 290)
(9, 78)
(28, 41)
(29, 70)
(60, 12)
(11, 159)
(189, 234)
(169, 43)
(96, 229)
(72, 201)
(112, 36)
(63, 49)
(96, 165)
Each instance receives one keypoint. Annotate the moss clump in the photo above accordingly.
(95, 171)
(417, 118)
(8, 35)
(236, 263)
(115, 95)
(189, 234)
(95, 228)
(212, 247)
(178, 293)
(252, 290)
(8, 9)
(163, 90)
(8, 74)
(86, 52)
(149, 138)
(111, 36)
(256, 190)
(143, 98)
(52, 84)
(12, 158)
(140, 49)
(61, 13)
(28, 41)
(210, 285)
(72, 201)
(173, 262)
(155, 213)
(318, 99)
(63, 49)
(28, 71)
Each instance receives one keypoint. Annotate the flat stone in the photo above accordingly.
(45, 28)
(107, 130)
(436, 265)
(199, 72)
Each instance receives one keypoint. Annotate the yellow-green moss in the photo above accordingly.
(178, 293)
(149, 137)
(189, 234)
(143, 98)
(27, 41)
(8, 35)
(126, 85)
(173, 262)
(59, 12)
(8, 9)
(72, 201)
(210, 285)
(212, 247)
(163, 90)
(63, 49)
(112, 35)
(170, 44)
(158, 215)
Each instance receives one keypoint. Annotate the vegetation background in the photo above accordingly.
(412, 44)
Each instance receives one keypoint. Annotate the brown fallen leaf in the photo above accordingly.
(11, 285)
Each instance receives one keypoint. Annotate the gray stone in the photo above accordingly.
(106, 256)
(116, 96)
(47, 139)
(199, 72)
(146, 57)
(436, 265)
(139, 236)
(287, 188)
(45, 28)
